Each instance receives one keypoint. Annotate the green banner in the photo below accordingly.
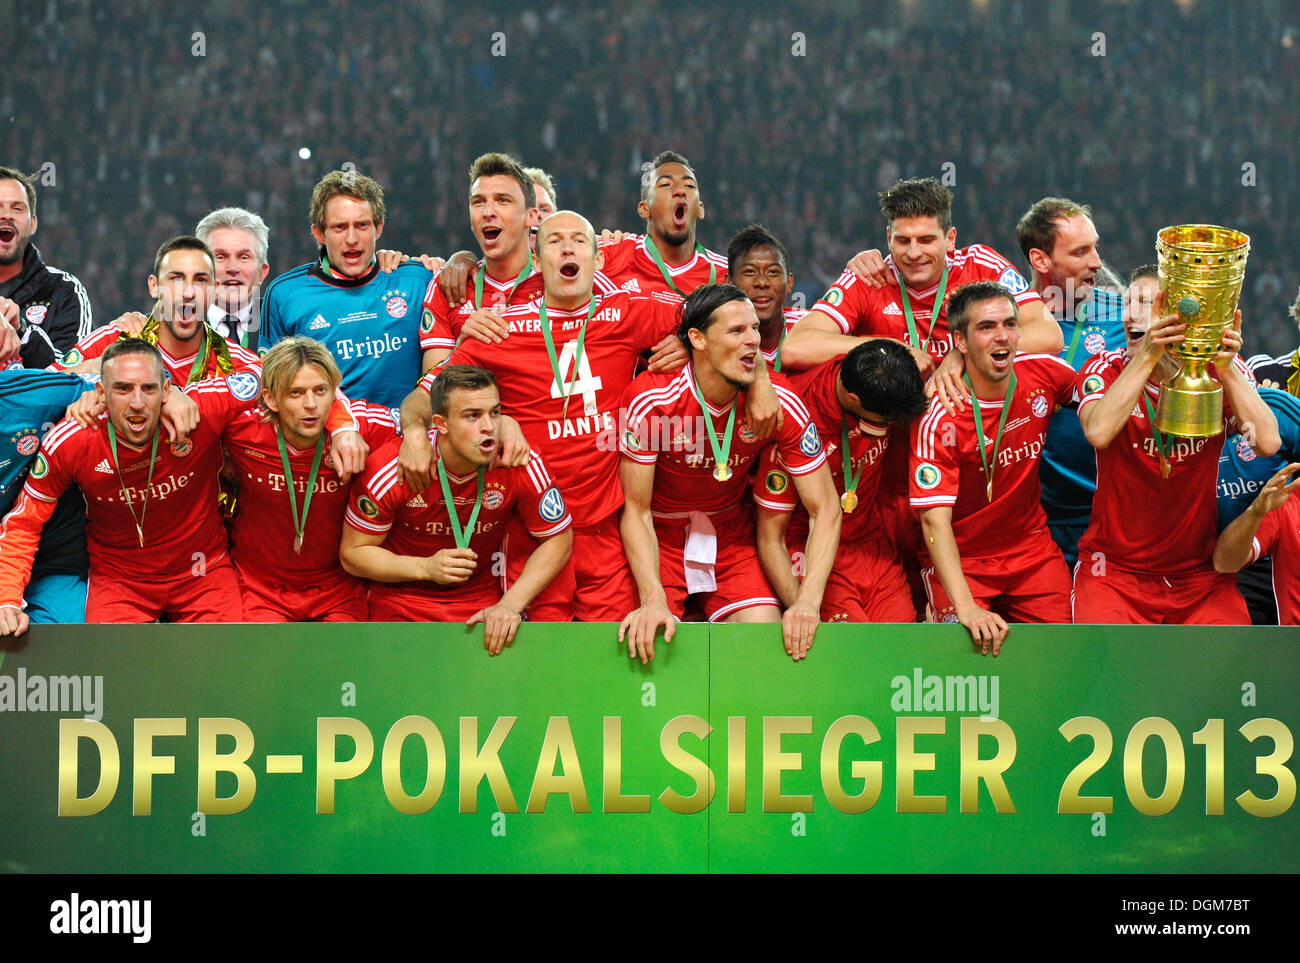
(406, 748)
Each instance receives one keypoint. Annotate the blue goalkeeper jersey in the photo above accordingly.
(31, 402)
(371, 324)
(1242, 473)
(1068, 471)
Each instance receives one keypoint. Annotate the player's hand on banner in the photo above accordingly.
(455, 277)
(763, 409)
(987, 629)
(180, 415)
(348, 452)
(798, 626)
(415, 459)
(131, 323)
(668, 355)
(13, 620)
(946, 382)
(484, 325)
(640, 627)
(870, 267)
(513, 450)
(1229, 343)
(86, 410)
(500, 623)
(610, 237)
(451, 566)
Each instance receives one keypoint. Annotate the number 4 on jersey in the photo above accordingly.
(585, 383)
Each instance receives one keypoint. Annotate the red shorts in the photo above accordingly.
(903, 530)
(866, 584)
(1110, 596)
(554, 603)
(741, 583)
(1031, 586)
(407, 602)
(341, 599)
(212, 596)
(606, 591)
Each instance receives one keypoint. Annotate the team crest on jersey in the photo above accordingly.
(396, 306)
(1244, 451)
(632, 440)
(776, 482)
(927, 475)
(426, 321)
(494, 498)
(26, 443)
(810, 443)
(368, 508)
(1039, 404)
(747, 434)
(834, 296)
(552, 506)
(40, 467)
(72, 357)
(35, 313)
(1012, 280)
(1094, 342)
(182, 448)
(1092, 383)
(243, 385)
(949, 618)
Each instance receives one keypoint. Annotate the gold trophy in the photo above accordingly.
(1201, 270)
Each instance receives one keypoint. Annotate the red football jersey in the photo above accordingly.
(263, 535)
(629, 265)
(1143, 523)
(866, 311)
(1278, 538)
(867, 444)
(419, 525)
(664, 426)
(946, 467)
(792, 317)
(177, 510)
(178, 369)
(581, 445)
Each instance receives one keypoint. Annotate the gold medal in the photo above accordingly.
(1164, 465)
(722, 473)
(990, 490)
(849, 501)
(297, 544)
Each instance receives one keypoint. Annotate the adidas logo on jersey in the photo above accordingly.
(416, 502)
(317, 323)
(631, 285)
(892, 308)
(105, 467)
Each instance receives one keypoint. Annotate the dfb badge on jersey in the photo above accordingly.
(552, 506)
(244, 385)
(1013, 281)
(776, 482)
(368, 508)
(927, 475)
(810, 443)
(40, 467)
(426, 321)
(834, 296)
(1092, 383)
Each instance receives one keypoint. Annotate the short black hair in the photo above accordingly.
(961, 300)
(125, 346)
(1144, 271)
(662, 158)
(182, 242)
(28, 181)
(884, 376)
(1038, 226)
(455, 377)
(917, 197)
(697, 310)
(750, 237)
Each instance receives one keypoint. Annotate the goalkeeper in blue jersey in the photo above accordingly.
(369, 320)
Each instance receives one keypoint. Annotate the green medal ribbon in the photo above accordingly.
(1163, 445)
(299, 527)
(211, 343)
(663, 268)
(565, 387)
(934, 312)
(979, 427)
(721, 453)
(776, 363)
(478, 281)
(1080, 319)
(849, 500)
(144, 502)
(462, 536)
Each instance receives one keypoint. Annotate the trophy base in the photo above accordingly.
(1190, 414)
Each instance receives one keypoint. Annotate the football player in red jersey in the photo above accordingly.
(759, 265)
(547, 204)
(975, 478)
(141, 493)
(430, 562)
(1148, 552)
(1269, 528)
(687, 527)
